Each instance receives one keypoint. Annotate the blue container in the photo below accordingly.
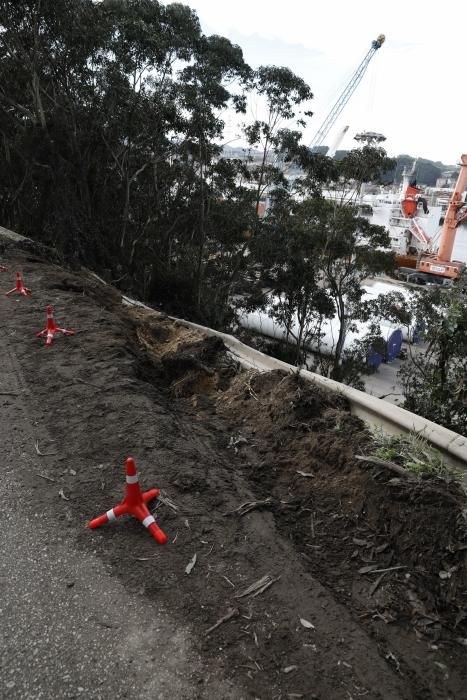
(373, 358)
(393, 345)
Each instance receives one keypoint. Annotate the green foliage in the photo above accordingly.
(351, 249)
(366, 164)
(390, 306)
(313, 255)
(412, 452)
(110, 123)
(434, 380)
(283, 90)
(108, 120)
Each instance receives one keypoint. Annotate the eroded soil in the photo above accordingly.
(367, 572)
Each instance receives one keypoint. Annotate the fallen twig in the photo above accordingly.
(289, 669)
(191, 564)
(9, 393)
(251, 391)
(300, 425)
(62, 495)
(232, 612)
(250, 505)
(258, 586)
(376, 584)
(312, 525)
(391, 568)
(43, 476)
(307, 624)
(163, 498)
(233, 442)
(83, 381)
(42, 454)
(368, 569)
(388, 465)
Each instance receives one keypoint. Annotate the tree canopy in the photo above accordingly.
(111, 122)
(434, 380)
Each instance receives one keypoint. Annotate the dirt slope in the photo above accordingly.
(131, 383)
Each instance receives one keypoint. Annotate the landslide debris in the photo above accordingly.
(260, 479)
(389, 548)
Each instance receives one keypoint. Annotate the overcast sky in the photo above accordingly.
(415, 89)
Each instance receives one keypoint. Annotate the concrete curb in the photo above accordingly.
(12, 236)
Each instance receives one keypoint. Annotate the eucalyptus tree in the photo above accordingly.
(287, 248)
(434, 378)
(318, 252)
(286, 99)
(109, 113)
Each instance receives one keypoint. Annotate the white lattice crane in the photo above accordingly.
(346, 94)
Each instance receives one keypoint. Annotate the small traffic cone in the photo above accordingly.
(20, 288)
(52, 329)
(3, 268)
(134, 503)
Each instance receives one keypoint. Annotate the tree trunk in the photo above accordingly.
(199, 267)
(336, 369)
(126, 211)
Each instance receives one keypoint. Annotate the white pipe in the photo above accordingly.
(374, 411)
(261, 322)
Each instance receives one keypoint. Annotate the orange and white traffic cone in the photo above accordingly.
(51, 328)
(20, 288)
(134, 504)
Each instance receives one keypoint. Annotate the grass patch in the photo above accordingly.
(412, 452)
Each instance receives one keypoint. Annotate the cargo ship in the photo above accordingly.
(414, 218)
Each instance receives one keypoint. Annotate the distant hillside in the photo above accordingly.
(426, 171)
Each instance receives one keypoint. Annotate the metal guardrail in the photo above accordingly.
(372, 410)
(11, 235)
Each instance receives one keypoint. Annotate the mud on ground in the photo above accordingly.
(366, 573)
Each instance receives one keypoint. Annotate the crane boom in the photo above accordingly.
(347, 93)
(454, 216)
(337, 142)
(441, 263)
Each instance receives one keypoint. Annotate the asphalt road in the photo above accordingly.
(68, 628)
